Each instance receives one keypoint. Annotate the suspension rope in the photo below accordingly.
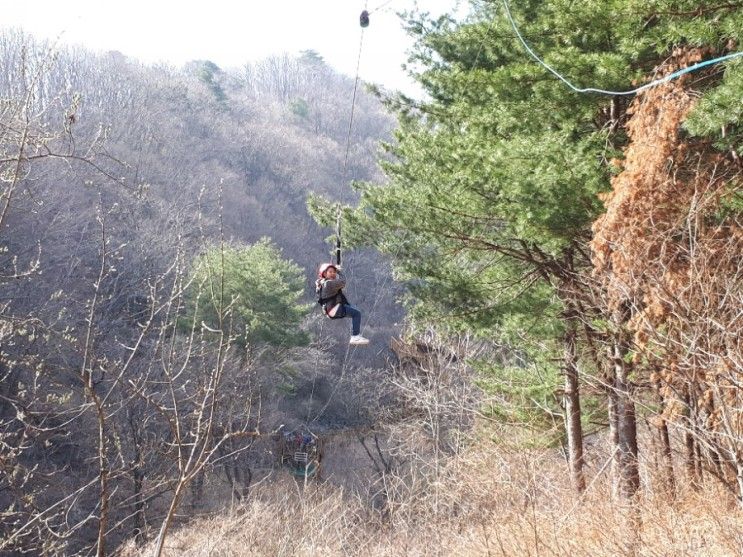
(654, 83)
(353, 100)
(338, 234)
(338, 238)
(387, 280)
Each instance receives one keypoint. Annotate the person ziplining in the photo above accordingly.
(329, 288)
(330, 278)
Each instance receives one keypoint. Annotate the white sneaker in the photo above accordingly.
(358, 339)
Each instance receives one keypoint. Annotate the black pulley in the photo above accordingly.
(338, 236)
(364, 19)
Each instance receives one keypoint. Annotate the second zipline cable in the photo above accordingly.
(654, 83)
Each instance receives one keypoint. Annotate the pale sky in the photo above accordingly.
(231, 33)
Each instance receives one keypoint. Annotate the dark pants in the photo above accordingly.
(355, 315)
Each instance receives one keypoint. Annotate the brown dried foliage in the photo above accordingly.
(664, 251)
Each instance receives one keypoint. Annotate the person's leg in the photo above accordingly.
(355, 316)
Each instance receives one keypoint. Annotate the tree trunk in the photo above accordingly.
(698, 463)
(197, 491)
(691, 468)
(669, 475)
(104, 497)
(669, 478)
(629, 474)
(168, 519)
(103, 470)
(689, 444)
(571, 401)
(139, 520)
(613, 410)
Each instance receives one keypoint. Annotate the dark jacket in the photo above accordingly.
(330, 292)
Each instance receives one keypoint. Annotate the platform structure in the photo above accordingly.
(300, 451)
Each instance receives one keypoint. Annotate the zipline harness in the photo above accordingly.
(332, 305)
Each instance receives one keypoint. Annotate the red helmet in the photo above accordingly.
(324, 267)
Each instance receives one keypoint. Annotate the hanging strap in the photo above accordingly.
(338, 235)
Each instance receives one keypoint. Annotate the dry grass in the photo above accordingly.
(484, 502)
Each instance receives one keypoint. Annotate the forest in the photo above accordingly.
(548, 256)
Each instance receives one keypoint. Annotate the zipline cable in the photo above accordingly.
(660, 81)
(382, 5)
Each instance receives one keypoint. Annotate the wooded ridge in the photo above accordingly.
(568, 373)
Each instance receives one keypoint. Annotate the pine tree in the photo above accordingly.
(251, 293)
(495, 181)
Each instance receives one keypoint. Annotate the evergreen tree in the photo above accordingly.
(250, 292)
(495, 181)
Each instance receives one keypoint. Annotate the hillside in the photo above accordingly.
(120, 181)
(545, 249)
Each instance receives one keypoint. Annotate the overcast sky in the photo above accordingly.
(230, 32)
